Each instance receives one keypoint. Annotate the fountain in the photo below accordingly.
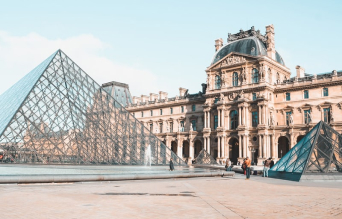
(148, 156)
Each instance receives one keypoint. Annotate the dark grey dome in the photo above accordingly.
(250, 46)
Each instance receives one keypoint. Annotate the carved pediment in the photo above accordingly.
(232, 59)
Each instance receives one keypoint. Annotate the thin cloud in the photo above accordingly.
(20, 54)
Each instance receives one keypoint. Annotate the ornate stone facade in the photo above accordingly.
(250, 105)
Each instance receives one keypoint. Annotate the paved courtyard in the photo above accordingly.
(213, 197)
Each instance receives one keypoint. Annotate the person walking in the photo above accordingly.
(266, 167)
(248, 168)
(172, 168)
(243, 167)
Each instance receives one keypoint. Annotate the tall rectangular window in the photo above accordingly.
(171, 126)
(142, 114)
(307, 116)
(255, 119)
(160, 127)
(151, 127)
(193, 108)
(182, 126)
(161, 111)
(288, 116)
(193, 122)
(325, 92)
(171, 110)
(254, 96)
(151, 112)
(288, 96)
(326, 114)
(306, 94)
(182, 109)
(215, 121)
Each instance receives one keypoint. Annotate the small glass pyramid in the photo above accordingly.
(57, 114)
(204, 158)
(319, 152)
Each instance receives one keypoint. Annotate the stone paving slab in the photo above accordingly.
(215, 197)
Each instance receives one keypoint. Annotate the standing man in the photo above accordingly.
(172, 168)
(267, 164)
(248, 168)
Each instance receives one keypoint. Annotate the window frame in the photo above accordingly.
(254, 96)
(325, 92)
(288, 96)
(171, 110)
(326, 115)
(193, 122)
(235, 81)
(255, 76)
(193, 107)
(306, 94)
(161, 111)
(234, 119)
(255, 119)
(215, 122)
(307, 119)
(182, 109)
(217, 82)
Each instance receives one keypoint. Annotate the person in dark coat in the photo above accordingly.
(172, 168)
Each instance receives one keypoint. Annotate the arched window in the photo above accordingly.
(217, 82)
(255, 75)
(233, 119)
(235, 79)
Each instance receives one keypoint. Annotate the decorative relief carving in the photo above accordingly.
(231, 60)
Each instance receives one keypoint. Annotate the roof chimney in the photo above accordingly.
(300, 71)
(218, 44)
(270, 42)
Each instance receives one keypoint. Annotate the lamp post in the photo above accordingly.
(252, 149)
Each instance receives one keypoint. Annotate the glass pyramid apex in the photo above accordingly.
(319, 152)
(57, 114)
(11, 99)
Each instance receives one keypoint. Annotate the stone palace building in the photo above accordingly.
(249, 106)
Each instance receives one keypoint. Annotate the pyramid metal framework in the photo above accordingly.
(57, 114)
(204, 158)
(319, 152)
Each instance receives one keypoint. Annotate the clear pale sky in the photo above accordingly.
(169, 42)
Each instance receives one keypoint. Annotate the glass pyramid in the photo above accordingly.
(57, 114)
(204, 158)
(319, 152)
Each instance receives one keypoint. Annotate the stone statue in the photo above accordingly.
(241, 94)
(221, 96)
(291, 119)
(261, 72)
(243, 74)
(272, 119)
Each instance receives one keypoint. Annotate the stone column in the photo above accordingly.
(245, 154)
(228, 120)
(223, 152)
(247, 149)
(240, 147)
(244, 115)
(240, 116)
(219, 147)
(259, 113)
(179, 148)
(205, 119)
(222, 119)
(191, 149)
(208, 146)
(204, 143)
(208, 119)
(264, 115)
(260, 147)
(218, 118)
